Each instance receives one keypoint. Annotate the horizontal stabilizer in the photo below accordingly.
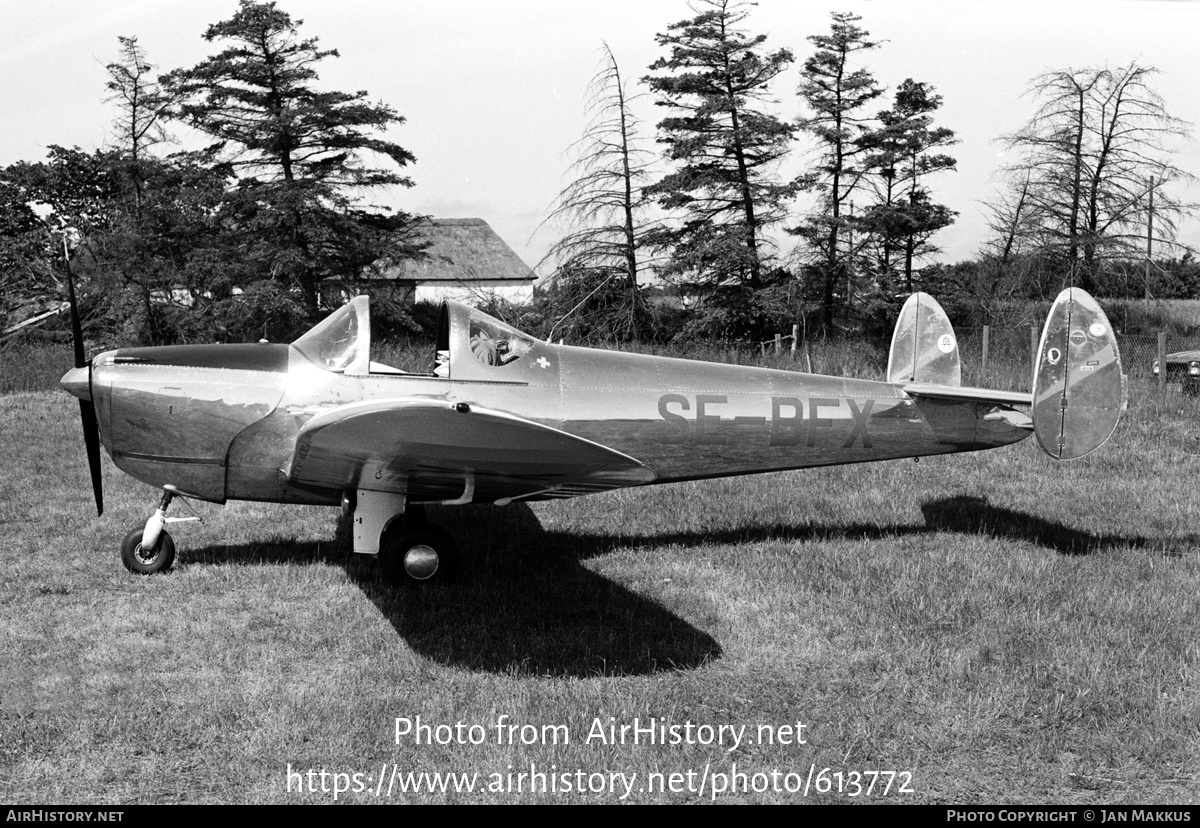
(1078, 389)
(983, 395)
(924, 348)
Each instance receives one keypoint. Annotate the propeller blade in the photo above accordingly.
(76, 327)
(87, 409)
(91, 439)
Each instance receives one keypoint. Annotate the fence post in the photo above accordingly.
(795, 337)
(1162, 361)
(778, 344)
(986, 330)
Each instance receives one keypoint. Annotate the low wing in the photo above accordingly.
(433, 450)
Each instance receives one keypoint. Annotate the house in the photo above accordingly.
(464, 259)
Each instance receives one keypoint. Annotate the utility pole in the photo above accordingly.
(1149, 241)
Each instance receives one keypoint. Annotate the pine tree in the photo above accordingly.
(836, 93)
(597, 263)
(902, 152)
(141, 103)
(726, 149)
(302, 154)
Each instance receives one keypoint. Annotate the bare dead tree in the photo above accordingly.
(1098, 139)
(604, 204)
(141, 104)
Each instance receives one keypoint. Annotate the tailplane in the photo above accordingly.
(1078, 389)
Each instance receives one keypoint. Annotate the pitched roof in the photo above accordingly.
(461, 251)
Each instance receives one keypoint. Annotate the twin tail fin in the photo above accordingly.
(1078, 389)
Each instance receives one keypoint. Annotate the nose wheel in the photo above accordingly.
(143, 561)
(413, 552)
(148, 548)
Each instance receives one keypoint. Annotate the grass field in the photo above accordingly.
(996, 627)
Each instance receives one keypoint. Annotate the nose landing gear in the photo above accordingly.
(148, 549)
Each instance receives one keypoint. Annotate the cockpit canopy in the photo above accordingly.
(493, 343)
(341, 343)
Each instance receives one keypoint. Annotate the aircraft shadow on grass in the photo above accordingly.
(973, 515)
(524, 607)
(526, 604)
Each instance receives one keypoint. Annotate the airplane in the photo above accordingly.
(503, 417)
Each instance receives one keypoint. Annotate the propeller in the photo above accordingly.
(87, 409)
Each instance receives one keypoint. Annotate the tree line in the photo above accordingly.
(843, 242)
(234, 240)
(229, 241)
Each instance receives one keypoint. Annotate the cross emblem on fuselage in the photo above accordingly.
(542, 361)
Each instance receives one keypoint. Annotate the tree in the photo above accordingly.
(72, 196)
(141, 104)
(166, 260)
(301, 154)
(26, 273)
(597, 263)
(902, 152)
(1094, 154)
(726, 152)
(1010, 261)
(140, 264)
(161, 210)
(836, 93)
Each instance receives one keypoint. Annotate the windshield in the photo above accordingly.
(493, 343)
(339, 343)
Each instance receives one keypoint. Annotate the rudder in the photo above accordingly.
(924, 348)
(1078, 388)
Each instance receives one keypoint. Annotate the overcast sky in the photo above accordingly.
(492, 92)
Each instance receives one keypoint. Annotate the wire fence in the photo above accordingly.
(999, 358)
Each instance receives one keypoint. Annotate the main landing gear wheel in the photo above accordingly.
(146, 562)
(417, 553)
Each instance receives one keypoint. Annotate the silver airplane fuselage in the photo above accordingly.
(221, 422)
(501, 416)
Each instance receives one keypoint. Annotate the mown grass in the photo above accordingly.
(33, 366)
(1005, 628)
